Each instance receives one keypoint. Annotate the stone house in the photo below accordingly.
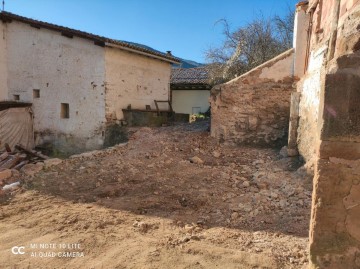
(78, 83)
(190, 90)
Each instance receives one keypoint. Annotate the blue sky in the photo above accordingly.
(186, 27)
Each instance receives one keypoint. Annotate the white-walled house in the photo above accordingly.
(190, 90)
(78, 83)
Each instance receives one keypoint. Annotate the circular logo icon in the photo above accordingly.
(18, 250)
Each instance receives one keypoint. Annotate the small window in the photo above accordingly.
(36, 93)
(65, 111)
(16, 97)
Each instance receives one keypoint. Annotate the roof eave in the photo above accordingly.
(151, 55)
(184, 84)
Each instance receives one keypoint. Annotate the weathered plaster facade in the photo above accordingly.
(309, 87)
(135, 80)
(254, 108)
(3, 64)
(190, 90)
(190, 101)
(65, 70)
(78, 83)
(329, 131)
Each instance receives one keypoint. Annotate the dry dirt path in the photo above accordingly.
(145, 205)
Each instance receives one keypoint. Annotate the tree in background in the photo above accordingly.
(249, 46)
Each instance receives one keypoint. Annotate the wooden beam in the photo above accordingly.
(31, 152)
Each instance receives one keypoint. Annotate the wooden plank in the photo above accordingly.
(7, 147)
(165, 101)
(11, 161)
(4, 156)
(5, 160)
(157, 107)
(171, 109)
(21, 164)
(31, 152)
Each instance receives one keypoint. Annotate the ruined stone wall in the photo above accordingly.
(254, 108)
(330, 94)
(309, 86)
(328, 24)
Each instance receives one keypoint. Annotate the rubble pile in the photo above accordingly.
(178, 189)
(14, 163)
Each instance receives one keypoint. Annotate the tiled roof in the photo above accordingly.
(99, 40)
(199, 75)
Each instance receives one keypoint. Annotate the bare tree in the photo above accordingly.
(285, 28)
(249, 46)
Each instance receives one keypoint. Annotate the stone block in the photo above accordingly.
(5, 174)
(52, 162)
(292, 152)
(339, 149)
(341, 107)
(32, 169)
(244, 110)
(253, 123)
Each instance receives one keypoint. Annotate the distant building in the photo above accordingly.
(190, 90)
(78, 83)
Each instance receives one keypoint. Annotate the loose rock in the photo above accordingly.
(196, 160)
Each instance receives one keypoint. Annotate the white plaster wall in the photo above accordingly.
(301, 27)
(134, 79)
(184, 100)
(279, 70)
(3, 64)
(66, 70)
(310, 88)
(310, 93)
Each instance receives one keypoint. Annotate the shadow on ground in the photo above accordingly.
(236, 187)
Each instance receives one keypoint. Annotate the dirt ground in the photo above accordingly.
(144, 204)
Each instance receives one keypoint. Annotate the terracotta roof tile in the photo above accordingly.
(198, 75)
